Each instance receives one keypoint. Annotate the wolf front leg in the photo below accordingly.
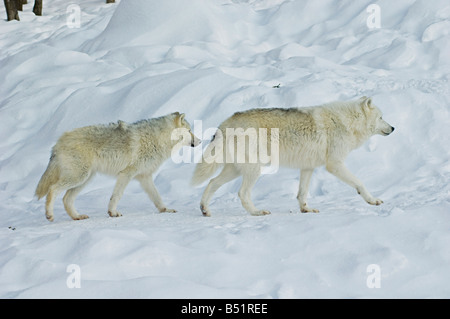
(123, 179)
(305, 178)
(249, 178)
(150, 188)
(339, 170)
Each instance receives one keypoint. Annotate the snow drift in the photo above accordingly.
(209, 59)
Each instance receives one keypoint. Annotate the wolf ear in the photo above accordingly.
(179, 118)
(367, 102)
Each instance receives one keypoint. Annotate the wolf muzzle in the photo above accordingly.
(387, 133)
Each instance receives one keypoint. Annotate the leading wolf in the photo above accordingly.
(124, 150)
(307, 138)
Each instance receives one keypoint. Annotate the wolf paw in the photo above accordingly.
(375, 201)
(80, 217)
(309, 210)
(114, 214)
(261, 213)
(167, 210)
(205, 211)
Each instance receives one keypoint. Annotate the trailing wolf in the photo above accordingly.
(307, 138)
(124, 150)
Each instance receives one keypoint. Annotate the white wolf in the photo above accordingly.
(308, 138)
(124, 150)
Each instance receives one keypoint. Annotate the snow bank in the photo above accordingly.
(139, 59)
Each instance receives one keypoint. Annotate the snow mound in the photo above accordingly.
(139, 59)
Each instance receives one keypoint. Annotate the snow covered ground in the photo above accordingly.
(139, 59)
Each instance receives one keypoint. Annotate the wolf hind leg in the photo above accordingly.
(69, 199)
(53, 192)
(249, 178)
(305, 178)
(228, 173)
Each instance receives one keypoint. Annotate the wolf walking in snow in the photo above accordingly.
(307, 138)
(124, 150)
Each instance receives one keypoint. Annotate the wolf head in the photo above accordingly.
(184, 131)
(374, 118)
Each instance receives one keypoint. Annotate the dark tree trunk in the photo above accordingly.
(11, 10)
(110, 1)
(37, 9)
(19, 5)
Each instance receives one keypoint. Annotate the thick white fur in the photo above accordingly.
(308, 138)
(124, 150)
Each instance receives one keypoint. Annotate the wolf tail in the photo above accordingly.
(210, 163)
(50, 177)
